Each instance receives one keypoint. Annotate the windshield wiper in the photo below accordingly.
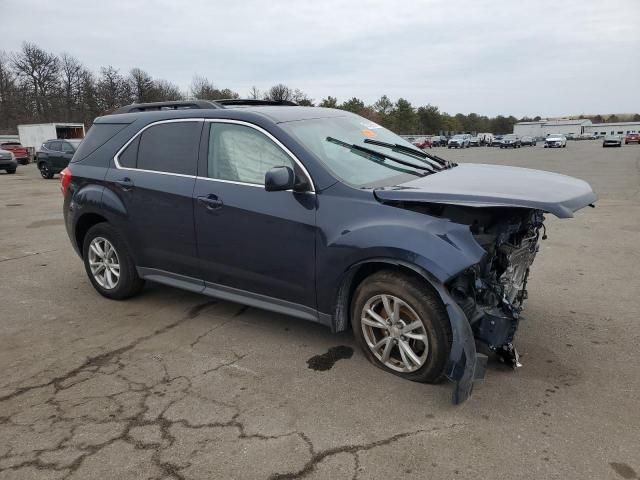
(368, 153)
(396, 147)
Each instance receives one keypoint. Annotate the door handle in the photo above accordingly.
(125, 183)
(211, 202)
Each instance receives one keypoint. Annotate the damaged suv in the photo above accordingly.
(319, 214)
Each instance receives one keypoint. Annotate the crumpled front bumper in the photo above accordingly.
(465, 366)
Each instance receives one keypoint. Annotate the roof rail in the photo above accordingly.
(173, 105)
(198, 104)
(253, 101)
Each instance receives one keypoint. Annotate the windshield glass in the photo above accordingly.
(350, 167)
(457, 137)
(75, 143)
(510, 137)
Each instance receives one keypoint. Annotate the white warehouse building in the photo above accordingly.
(542, 128)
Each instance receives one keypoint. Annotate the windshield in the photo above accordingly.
(457, 137)
(75, 143)
(352, 168)
(511, 137)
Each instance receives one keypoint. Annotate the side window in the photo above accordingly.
(242, 154)
(66, 148)
(55, 146)
(170, 147)
(129, 156)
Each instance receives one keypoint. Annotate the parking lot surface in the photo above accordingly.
(174, 385)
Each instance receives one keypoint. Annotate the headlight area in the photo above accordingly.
(492, 292)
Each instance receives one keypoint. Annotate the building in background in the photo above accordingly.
(544, 127)
(613, 128)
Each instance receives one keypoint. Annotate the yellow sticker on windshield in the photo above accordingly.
(369, 133)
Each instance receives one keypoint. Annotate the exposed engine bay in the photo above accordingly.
(492, 292)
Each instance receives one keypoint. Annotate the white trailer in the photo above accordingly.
(34, 135)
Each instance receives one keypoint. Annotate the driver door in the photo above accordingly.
(253, 243)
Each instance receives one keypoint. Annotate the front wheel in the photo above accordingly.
(45, 171)
(109, 264)
(402, 326)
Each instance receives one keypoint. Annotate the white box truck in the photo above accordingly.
(34, 135)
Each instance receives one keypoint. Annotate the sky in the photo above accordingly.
(547, 58)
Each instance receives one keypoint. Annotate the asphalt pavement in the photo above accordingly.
(175, 385)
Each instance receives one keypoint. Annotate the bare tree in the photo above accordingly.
(71, 71)
(164, 90)
(112, 89)
(8, 94)
(254, 93)
(39, 71)
(141, 85)
(204, 89)
(279, 93)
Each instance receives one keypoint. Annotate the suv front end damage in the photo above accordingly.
(492, 292)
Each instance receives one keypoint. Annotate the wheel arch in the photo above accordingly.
(465, 365)
(83, 224)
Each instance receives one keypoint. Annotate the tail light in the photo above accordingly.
(65, 180)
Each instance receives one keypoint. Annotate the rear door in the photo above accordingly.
(154, 176)
(67, 154)
(55, 155)
(252, 242)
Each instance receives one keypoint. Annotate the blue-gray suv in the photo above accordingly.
(319, 214)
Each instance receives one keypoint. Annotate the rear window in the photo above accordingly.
(97, 136)
(170, 147)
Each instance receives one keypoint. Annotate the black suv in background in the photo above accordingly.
(320, 214)
(55, 155)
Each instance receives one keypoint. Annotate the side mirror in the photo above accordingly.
(278, 179)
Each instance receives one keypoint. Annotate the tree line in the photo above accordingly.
(37, 86)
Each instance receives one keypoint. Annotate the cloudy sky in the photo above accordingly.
(492, 57)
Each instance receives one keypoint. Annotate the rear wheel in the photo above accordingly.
(45, 171)
(401, 326)
(109, 264)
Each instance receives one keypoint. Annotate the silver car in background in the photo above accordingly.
(8, 161)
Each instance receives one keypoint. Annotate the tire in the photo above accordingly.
(128, 282)
(45, 171)
(417, 303)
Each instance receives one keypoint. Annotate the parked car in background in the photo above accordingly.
(459, 141)
(54, 156)
(612, 141)
(555, 140)
(497, 141)
(527, 140)
(511, 141)
(8, 161)
(474, 142)
(419, 256)
(422, 143)
(632, 138)
(20, 153)
(439, 141)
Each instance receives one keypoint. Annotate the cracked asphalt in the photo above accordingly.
(172, 385)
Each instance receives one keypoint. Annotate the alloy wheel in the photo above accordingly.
(394, 333)
(104, 263)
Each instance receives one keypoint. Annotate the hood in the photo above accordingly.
(478, 185)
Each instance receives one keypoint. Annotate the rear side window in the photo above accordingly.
(98, 135)
(129, 156)
(170, 147)
(56, 146)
